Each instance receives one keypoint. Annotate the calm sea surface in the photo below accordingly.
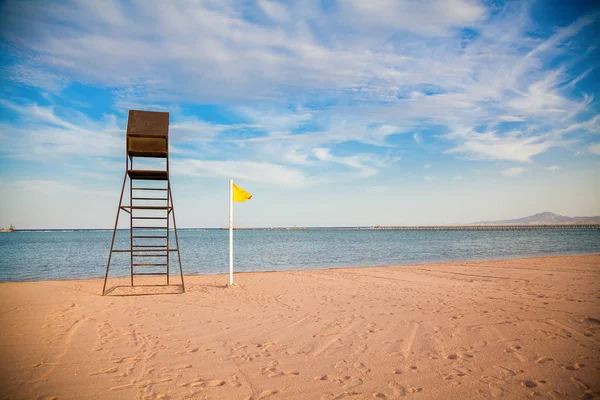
(45, 255)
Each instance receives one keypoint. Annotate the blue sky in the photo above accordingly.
(329, 112)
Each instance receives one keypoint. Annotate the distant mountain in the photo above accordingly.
(545, 218)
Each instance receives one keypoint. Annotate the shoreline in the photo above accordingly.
(176, 276)
(511, 328)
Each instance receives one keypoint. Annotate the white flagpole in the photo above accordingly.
(231, 232)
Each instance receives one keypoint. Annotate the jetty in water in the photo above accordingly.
(532, 227)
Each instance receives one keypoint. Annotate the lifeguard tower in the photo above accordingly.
(150, 205)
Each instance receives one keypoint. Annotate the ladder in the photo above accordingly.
(150, 205)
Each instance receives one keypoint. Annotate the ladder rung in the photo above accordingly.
(150, 265)
(148, 198)
(138, 250)
(147, 207)
(147, 189)
(149, 273)
(148, 227)
(149, 217)
(150, 255)
(147, 250)
(149, 237)
(149, 245)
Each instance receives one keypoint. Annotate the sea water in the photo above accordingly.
(50, 255)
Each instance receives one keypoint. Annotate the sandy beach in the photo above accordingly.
(490, 329)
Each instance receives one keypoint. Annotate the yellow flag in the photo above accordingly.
(240, 194)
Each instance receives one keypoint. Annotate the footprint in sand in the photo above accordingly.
(397, 389)
(531, 384)
(208, 383)
(354, 383)
(391, 341)
(270, 369)
(496, 391)
(341, 380)
(106, 371)
(593, 321)
(542, 360)
(215, 383)
(361, 367)
(274, 374)
(234, 381)
(121, 387)
(415, 390)
(338, 396)
(379, 395)
(321, 378)
(267, 393)
(580, 384)
(573, 367)
(360, 349)
(506, 371)
(340, 364)
(512, 349)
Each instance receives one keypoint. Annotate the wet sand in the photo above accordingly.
(491, 329)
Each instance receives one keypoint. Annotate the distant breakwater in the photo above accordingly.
(572, 227)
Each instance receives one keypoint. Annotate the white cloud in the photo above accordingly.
(429, 178)
(427, 166)
(274, 120)
(272, 62)
(430, 17)
(274, 10)
(513, 146)
(245, 170)
(458, 178)
(33, 74)
(553, 168)
(42, 134)
(195, 130)
(276, 141)
(247, 58)
(513, 171)
(75, 138)
(357, 161)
